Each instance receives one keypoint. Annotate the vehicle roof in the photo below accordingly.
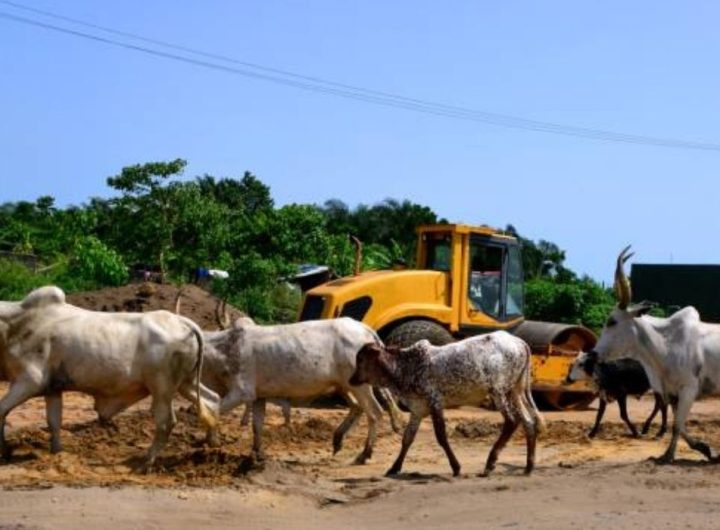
(462, 228)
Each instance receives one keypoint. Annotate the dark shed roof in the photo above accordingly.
(676, 286)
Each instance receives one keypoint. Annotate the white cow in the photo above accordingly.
(680, 354)
(118, 358)
(251, 363)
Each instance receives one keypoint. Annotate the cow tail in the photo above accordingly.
(539, 420)
(205, 416)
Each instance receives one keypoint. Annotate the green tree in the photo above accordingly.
(96, 264)
(148, 208)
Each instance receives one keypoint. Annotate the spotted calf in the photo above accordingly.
(430, 378)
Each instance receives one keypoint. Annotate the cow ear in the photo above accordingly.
(393, 349)
(369, 348)
(643, 308)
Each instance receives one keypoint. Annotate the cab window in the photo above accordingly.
(514, 300)
(486, 278)
(438, 255)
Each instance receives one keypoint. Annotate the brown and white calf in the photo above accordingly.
(430, 378)
(50, 347)
(249, 363)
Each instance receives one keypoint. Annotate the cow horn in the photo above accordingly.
(622, 284)
(178, 301)
(221, 314)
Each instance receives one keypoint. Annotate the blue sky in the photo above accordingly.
(73, 112)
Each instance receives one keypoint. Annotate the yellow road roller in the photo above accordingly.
(468, 280)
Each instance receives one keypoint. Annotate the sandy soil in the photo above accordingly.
(579, 483)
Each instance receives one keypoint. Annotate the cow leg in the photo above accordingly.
(687, 397)
(438, 420)
(408, 437)
(598, 418)
(663, 413)
(658, 406)
(246, 415)
(392, 408)
(285, 406)
(699, 445)
(258, 420)
(511, 423)
(20, 391)
(353, 415)
(622, 404)
(681, 409)
(373, 411)
(53, 412)
(231, 400)
(164, 423)
(208, 400)
(530, 427)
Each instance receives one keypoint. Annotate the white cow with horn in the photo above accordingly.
(680, 354)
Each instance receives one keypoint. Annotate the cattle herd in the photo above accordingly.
(48, 346)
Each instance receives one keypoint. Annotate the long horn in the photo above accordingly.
(221, 314)
(178, 296)
(622, 284)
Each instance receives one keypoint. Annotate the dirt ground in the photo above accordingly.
(607, 482)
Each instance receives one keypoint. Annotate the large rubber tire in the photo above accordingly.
(408, 333)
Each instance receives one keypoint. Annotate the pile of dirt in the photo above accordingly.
(195, 303)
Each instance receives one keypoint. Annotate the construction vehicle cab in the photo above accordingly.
(484, 273)
(468, 280)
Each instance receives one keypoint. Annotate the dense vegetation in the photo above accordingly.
(233, 224)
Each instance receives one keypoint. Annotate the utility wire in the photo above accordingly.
(327, 87)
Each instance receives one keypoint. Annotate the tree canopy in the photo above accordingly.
(158, 218)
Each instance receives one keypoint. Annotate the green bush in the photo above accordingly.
(16, 280)
(578, 302)
(93, 264)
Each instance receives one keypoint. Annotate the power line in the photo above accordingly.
(327, 87)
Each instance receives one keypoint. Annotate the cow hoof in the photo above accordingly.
(144, 469)
(392, 472)
(663, 460)
(337, 445)
(456, 472)
(212, 440)
(7, 453)
(360, 460)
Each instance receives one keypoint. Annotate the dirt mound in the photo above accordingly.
(195, 303)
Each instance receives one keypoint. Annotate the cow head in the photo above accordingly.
(619, 335)
(583, 367)
(369, 366)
